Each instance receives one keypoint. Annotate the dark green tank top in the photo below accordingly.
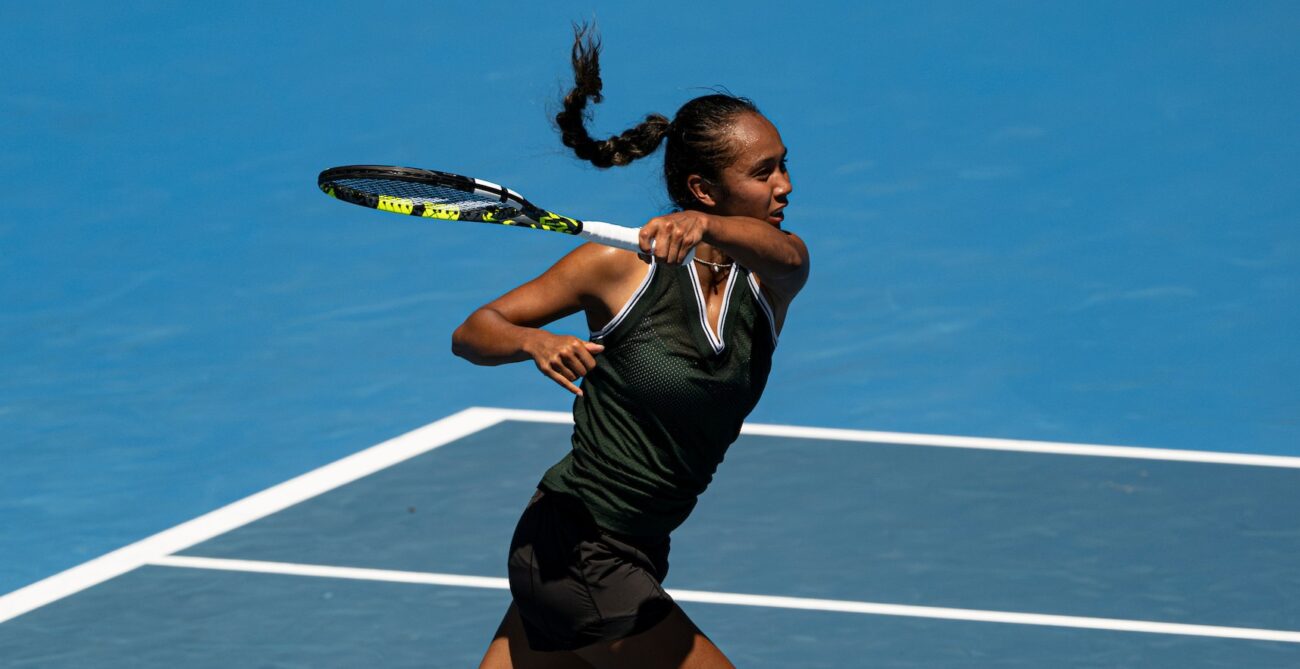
(665, 400)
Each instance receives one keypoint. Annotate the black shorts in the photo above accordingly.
(575, 584)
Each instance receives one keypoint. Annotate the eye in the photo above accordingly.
(766, 169)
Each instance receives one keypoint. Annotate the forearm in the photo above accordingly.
(779, 258)
(487, 338)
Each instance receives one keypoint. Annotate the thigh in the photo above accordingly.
(573, 585)
(509, 650)
(674, 642)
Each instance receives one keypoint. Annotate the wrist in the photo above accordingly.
(708, 225)
(530, 341)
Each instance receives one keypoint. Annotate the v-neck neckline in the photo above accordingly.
(715, 340)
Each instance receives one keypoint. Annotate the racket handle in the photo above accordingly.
(618, 236)
(609, 234)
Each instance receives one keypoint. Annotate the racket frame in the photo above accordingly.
(511, 208)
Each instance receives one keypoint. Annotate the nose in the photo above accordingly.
(783, 185)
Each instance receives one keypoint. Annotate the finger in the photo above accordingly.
(566, 383)
(695, 237)
(670, 243)
(577, 358)
(585, 359)
(562, 367)
(649, 233)
(553, 365)
(593, 346)
(682, 247)
(661, 245)
(579, 361)
(646, 238)
(690, 245)
(675, 245)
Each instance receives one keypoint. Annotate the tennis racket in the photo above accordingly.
(451, 197)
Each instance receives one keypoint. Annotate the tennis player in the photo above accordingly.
(679, 354)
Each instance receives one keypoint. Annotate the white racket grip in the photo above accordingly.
(609, 234)
(618, 236)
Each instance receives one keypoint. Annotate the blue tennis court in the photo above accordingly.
(930, 551)
(232, 432)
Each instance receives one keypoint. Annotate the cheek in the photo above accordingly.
(749, 198)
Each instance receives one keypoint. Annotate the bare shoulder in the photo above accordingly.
(594, 268)
(603, 277)
(589, 278)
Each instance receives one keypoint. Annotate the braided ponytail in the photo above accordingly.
(636, 142)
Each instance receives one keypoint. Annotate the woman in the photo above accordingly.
(679, 354)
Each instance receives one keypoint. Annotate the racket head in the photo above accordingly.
(439, 195)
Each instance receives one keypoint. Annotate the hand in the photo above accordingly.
(563, 358)
(670, 238)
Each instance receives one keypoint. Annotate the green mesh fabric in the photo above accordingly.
(661, 406)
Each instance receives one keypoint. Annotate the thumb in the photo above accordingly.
(593, 347)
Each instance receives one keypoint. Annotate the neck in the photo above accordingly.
(712, 255)
(714, 267)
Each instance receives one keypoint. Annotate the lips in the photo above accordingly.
(776, 216)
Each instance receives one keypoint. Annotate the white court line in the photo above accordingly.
(766, 601)
(246, 510)
(472, 420)
(983, 443)
(1024, 446)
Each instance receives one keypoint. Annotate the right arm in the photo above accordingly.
(509, 329)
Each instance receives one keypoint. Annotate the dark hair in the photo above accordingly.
(697, 139)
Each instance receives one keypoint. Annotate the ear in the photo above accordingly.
(702, 189)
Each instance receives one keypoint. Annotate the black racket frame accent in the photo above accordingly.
(513, 207)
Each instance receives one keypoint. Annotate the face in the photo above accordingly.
(756, 184)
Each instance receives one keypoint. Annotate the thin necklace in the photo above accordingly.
(717, 267)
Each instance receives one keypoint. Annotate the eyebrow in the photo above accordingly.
(785, 152)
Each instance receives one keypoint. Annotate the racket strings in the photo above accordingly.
(421, 193)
